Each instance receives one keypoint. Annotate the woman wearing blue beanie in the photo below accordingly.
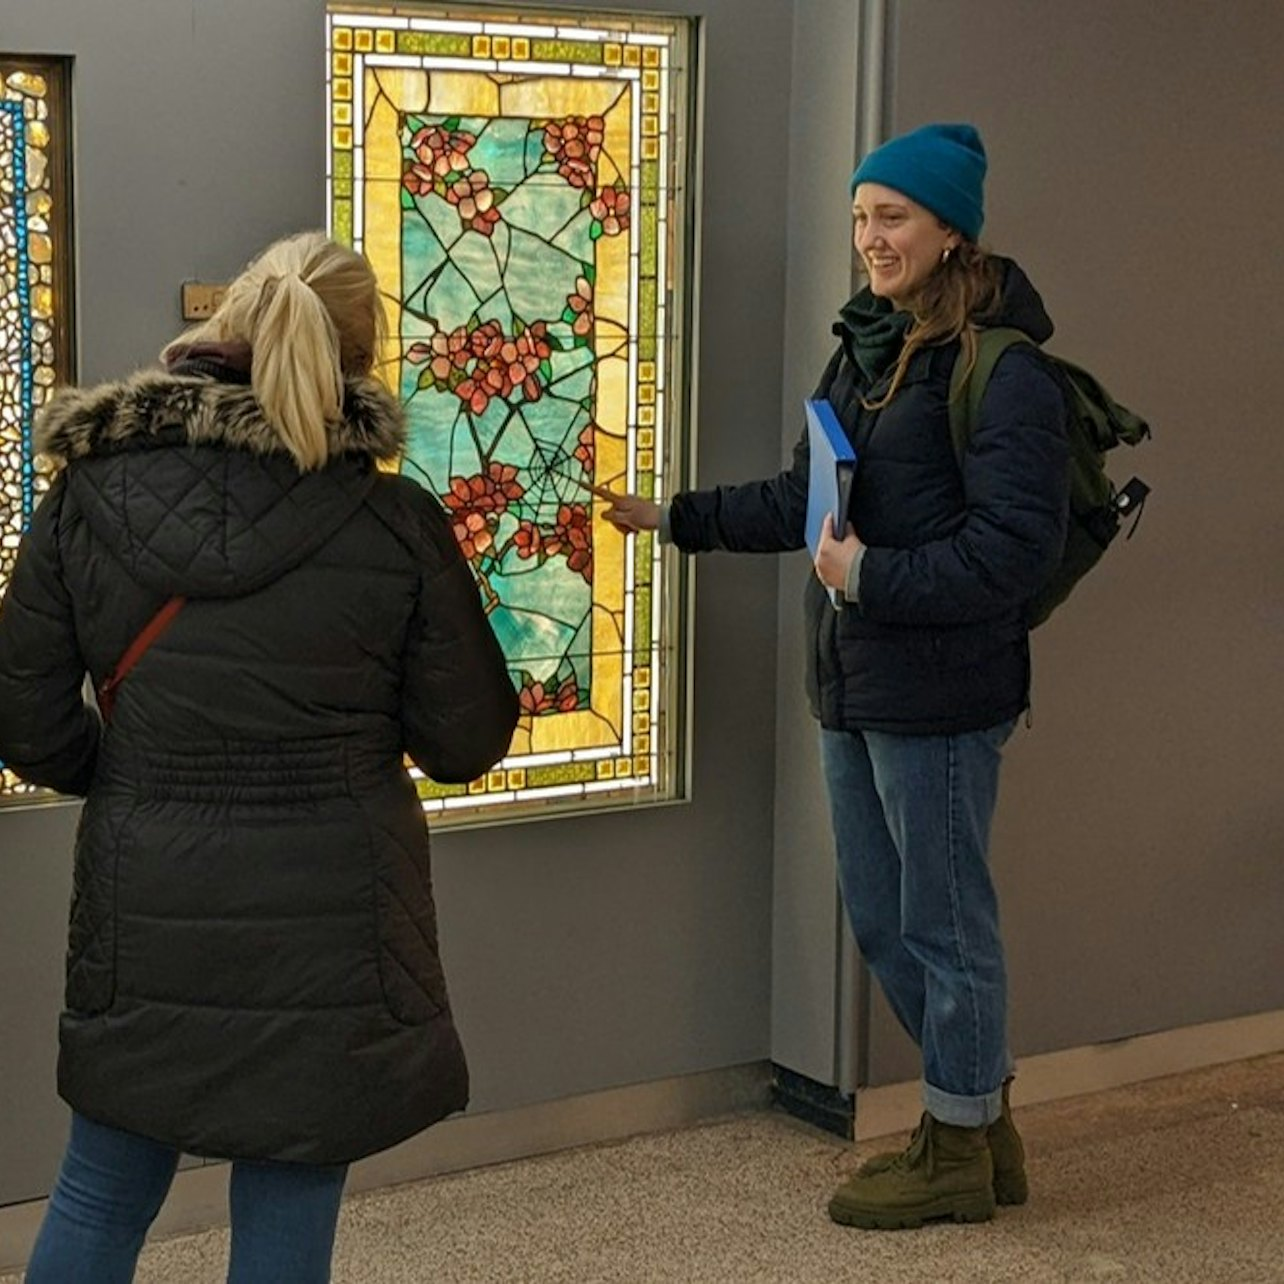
(919, 678)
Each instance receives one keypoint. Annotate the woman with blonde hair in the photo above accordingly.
(919, 673)
(273, 624)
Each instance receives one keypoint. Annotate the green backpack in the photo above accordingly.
(1097, 424)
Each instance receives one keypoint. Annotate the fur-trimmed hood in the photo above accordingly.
(154, 407)
(189, 486)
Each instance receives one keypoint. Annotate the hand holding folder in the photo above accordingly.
(829, 483)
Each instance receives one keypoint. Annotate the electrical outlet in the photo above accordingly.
(200, 299)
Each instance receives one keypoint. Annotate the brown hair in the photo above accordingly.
(310, 310)
(961, 292)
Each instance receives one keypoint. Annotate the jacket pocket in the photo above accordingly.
(91, 929)
(414, 989)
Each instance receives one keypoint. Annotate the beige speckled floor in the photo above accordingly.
(1173, 1181)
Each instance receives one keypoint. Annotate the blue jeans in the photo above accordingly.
(112, 1184)
(912, 826)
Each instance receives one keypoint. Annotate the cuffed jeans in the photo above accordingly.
(912, 827)
(111, 1187)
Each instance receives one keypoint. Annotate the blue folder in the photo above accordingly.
(833, 465)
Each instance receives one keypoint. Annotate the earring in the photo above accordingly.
(945, 253)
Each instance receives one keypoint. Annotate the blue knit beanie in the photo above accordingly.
(942, 167)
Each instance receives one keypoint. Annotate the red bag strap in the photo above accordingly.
(135, 652)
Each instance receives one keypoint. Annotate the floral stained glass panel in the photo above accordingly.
(520, 188)
(35, 289)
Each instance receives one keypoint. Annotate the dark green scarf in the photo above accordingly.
(875, 333)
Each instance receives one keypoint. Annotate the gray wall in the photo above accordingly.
(582, 954)
(1140, 835)
(35, 883)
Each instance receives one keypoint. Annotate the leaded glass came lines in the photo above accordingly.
(519, 187)
(17, 367)
(35, 276)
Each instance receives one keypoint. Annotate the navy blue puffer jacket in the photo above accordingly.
(937, 642)
(252, 968)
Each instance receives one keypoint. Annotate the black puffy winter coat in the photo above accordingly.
(252, 967)
(937, 641)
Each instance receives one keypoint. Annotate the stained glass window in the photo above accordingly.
(518, 180)
(35, 272)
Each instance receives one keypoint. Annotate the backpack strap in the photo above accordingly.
(967, 386)
(135, 652)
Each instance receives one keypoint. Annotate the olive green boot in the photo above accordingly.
(946, 1172)
(1006, 1150)
(1008, 1153)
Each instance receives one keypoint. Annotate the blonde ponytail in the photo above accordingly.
(296, 373)
(310, 310)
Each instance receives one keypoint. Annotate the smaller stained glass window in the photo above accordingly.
(35, 301)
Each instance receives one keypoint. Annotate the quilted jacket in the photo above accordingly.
(937, 642)
(252, 966)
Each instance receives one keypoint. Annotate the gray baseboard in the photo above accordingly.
(198, 1197)
(1071, 1072)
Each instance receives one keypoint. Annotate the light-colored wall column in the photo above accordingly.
(811, 969)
